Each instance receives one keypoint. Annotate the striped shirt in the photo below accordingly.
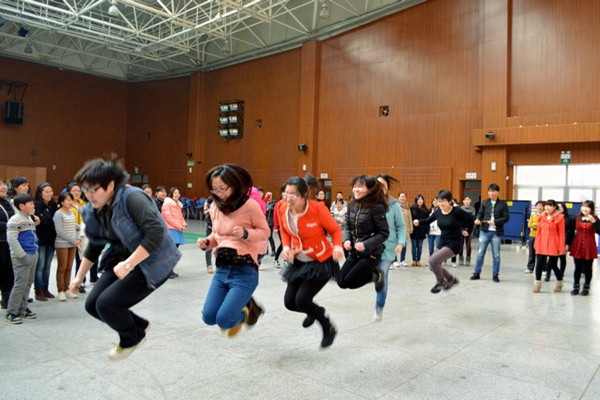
(67, 230)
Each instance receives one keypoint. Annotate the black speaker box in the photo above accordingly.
(13, 113)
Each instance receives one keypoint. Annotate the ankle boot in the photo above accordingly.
(468, 261)
(575, 290)
(558, 287)
(461, 260)
(586, 289)
(329, 333)
(537, 286)
(39, 295)
(47, 292)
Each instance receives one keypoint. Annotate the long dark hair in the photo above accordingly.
(416, 206)
(590, 204)
(375, 194)
(238, 179)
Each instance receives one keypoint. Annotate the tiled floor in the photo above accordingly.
(480, 340)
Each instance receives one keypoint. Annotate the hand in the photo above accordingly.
(289, 255)
(360, 246)
(120, 271)
(348, 245)
(36, 221)
(77, 241)
(202, 243)
(185, 226)
(238, 232)
(491, 223)
(74, 285)
(465, 233)
(399, 248)
(338, 254)
(416, 222)
(477, 222)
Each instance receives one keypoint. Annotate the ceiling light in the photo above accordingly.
(324, 13)
(113, 9)
(226, 47)
(28, 48)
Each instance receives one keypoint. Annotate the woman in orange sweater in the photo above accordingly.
(313, 259)
(549, 244)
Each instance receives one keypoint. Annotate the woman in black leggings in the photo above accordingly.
(312, 258)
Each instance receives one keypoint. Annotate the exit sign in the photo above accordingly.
(565, 157)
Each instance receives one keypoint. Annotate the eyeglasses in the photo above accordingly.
(75, 191)
(219, 190)
(289, 196)
(90, 190)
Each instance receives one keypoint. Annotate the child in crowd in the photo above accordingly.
(23, 243)
(339, 213)
(67, 239)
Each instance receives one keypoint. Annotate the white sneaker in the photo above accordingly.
(378, 314)
(404, 264)
(528, 271)
(120, 353)
(70, 295)
(454, 265)
(62, 296)
(395, 265)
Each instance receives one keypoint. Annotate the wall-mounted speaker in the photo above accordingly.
(13, 112)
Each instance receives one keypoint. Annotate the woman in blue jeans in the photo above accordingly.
(238, 227)
(394, 244)
(418, 211)
(45, 207)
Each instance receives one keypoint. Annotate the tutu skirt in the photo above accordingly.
(311, 271)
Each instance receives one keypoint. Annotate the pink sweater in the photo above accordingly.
(249, 216)
(172, 214)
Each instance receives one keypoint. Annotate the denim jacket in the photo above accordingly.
(158, 266)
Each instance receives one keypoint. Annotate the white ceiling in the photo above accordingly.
(156, 39)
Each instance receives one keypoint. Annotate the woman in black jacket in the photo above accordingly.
(366, 231)
(418, 211)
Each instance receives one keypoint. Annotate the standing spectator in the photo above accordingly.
(560, 206)
(22, 240)
(549, 244)
(321, 197)
(7, 277)
(239, 226)
(270, 219)
(533, 227)
(147, 189)
(312, 258)
(67, 239)
(45, 207)
(466, 240)
(159, 199)
(433, 237)
(408, 222)
(582, 235)
(394, 243)
(78, 203)
(418, 211)
(208, 254)
(339, 213)
(173, 216)
(491, 217)
(18, 185)
(366, 231)
(454, 224)
(276, 228)
(140, 254)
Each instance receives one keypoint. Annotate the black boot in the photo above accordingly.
(254, 312)
(329, 333)
(575, 290)
(586, 289)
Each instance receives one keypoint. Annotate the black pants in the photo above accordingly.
(552, 262)
(208, 254)
(299, 297)
(271, 240)
(111, 299)
(531, 258)
(280, 247)
(584, 266)
(357, 272)
(7, 277)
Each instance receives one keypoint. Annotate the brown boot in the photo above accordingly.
(39, 295)
(558, 288)
(47, 292)
(537, 286)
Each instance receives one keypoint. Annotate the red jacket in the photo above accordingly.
(550, 239)
(584, 245)
(312, 225)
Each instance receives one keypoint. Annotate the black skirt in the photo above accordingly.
(311, 271)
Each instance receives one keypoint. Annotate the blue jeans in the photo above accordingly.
(417, 248)
(484, 239)
(434, 241)
(42, 269)
(230, 290)
(384, 267)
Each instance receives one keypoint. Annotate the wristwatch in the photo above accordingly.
(127, 265)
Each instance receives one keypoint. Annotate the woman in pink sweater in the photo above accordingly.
(238, 227)
(173, 216)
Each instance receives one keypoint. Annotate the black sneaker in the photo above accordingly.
(475, 276)
(173, 275)
(438, 287)
(13, 319)
(81, 289)
(254, 312)
(308, 321)
(28, 314)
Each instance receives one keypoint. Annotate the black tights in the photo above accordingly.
(584, 266)
(552, 262)
(299, 297)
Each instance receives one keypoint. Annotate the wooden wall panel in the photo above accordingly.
(68, 118)
(157, 131)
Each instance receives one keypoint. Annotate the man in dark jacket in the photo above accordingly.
(491, 217)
